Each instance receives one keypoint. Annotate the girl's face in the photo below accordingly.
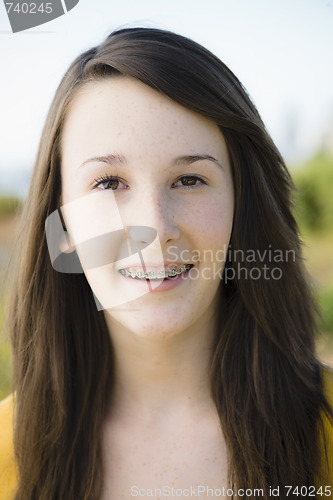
(154, 178)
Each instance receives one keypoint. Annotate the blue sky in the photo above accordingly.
(281, 50)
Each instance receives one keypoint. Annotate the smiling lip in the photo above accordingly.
(153, 266)
(146, 267)
(153, 285)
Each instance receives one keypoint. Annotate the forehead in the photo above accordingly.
(122, 113)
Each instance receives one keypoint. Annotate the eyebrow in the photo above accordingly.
(117, 159)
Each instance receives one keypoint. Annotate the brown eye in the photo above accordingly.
(189, 181)
(111, 184)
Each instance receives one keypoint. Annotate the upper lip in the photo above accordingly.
(167, 266)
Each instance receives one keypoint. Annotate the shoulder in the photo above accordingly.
(8, 475)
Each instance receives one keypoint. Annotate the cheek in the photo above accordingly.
(212, 222)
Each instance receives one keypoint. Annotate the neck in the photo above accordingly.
(161, 377)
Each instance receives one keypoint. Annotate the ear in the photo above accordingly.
(64, 258)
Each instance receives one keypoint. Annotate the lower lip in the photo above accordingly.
(163, 285)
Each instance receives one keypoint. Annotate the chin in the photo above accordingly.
(149, 324)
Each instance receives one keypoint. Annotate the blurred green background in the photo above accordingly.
(313, 210)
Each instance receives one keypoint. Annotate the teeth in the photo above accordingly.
(158, 275)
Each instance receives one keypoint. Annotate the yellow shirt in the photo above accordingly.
(8, 472)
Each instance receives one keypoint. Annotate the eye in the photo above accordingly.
(108, 182)
(189, 181)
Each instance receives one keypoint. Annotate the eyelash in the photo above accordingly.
(110, 178)
(105, 178)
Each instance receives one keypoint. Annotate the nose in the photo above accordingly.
(154, 210)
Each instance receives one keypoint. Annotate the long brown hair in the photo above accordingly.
(265, 378)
